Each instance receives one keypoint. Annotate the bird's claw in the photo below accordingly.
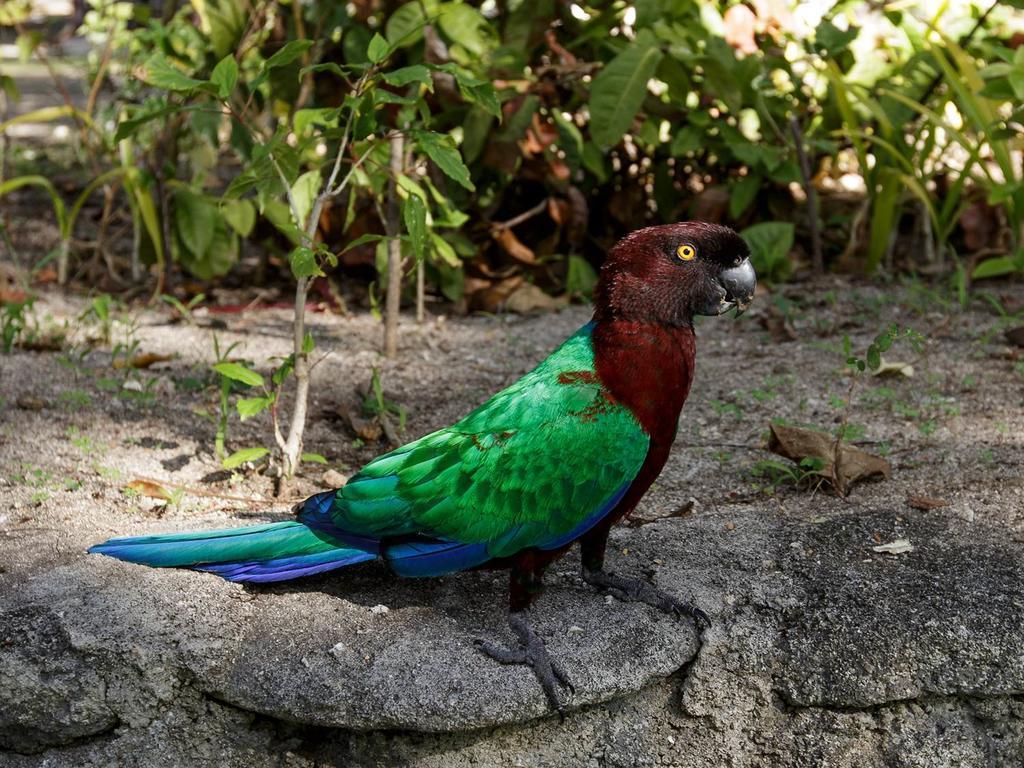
(532, 653)
(635, 590)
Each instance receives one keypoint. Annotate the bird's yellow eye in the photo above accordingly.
(686, 252)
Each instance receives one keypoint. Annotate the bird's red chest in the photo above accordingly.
(649, 369)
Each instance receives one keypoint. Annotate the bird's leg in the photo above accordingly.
(525, 585)
(592, 550)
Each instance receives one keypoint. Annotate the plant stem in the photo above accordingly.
(394, 291)
(817, 259)
(421, 289)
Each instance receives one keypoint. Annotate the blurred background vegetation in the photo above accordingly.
(191, 142)
(483, 156)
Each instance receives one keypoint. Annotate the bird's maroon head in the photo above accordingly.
(670, 273)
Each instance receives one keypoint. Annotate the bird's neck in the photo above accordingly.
(648, 368)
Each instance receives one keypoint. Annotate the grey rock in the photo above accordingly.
(822, 655)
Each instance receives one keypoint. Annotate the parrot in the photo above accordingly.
(555, 459)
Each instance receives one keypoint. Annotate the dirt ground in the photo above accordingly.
(75, 431)
(953, 430)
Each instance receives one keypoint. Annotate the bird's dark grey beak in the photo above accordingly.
(736, 290)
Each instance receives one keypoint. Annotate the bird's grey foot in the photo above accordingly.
(532, 653)
(642, 592)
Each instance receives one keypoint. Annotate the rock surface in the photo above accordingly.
(823, 651)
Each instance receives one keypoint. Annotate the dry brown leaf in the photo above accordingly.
(492, 298)
(11, 281)
(635, 521)
(797, 444)
(368, 430)
(53, 343)
(529, 298)
(558, 209)
(1016, 336)
(514, 247)
(144, 360)
(925, 503)
(30, 402)
(149, 489)
(779, 326)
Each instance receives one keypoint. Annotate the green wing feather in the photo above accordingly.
(526, 468)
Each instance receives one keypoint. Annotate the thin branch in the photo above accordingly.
(498, 226)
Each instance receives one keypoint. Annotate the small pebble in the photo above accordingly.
(334, 478)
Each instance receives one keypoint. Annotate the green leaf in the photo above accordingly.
(465, 25)
(250, 406)
(308, 345)
(159, 72)
(417, 73)
(316, 458)
(378, 49)
(999, 266)
(405, 26)
(225, 76)
(238, 458)
(363, 239)
(770, 243)
(441, 149)
(580, 277)
(444, 249)
(304, 192)
(414, 213)
(884, 216)
(238, 372)
(287, 53)
(743, 194)
(127, 128)
(223, 21)
(618, 91)
(240, 215)
(303, 262)
(195, 218)
(874, 357)
(833, 39)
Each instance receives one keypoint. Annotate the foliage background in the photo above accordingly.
(487, 154)
(576, 123)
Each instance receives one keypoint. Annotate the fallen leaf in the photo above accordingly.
(368, 430)
(842, 467)
(893, 368)
(529, 298)
(925, 503)
(492, 298)
(11, 281)
(635, 521)
(30, 402)
(148, 488)
(51, 343)
(779, 326)
(898, 547)
(144, 360)
(512, 245)
(1016, 336)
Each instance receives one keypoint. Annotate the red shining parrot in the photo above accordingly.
(556, 458)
